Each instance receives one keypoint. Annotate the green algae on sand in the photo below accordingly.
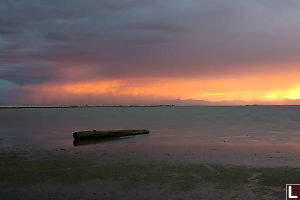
(20, 170)
(17, 168)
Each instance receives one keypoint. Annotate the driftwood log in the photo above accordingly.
(106, 134)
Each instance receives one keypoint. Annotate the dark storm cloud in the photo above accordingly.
(163, 27)
(43, 40)
(56, 36)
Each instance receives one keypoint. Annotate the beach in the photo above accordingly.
(192, 152)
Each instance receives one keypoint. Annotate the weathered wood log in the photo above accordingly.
(106, 134)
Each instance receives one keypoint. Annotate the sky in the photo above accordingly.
(214, 52)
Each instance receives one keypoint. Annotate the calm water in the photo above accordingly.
(172, 128)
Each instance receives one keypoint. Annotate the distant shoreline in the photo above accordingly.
(94, 106)
(78, 106)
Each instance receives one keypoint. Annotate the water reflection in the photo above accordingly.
(94, 141)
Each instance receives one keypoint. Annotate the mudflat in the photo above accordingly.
(192, 153)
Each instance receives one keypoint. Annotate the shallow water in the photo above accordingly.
(252, 135)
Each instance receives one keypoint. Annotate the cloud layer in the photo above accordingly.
(60, 42)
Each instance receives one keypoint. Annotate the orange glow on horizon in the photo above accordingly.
(246, 89)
